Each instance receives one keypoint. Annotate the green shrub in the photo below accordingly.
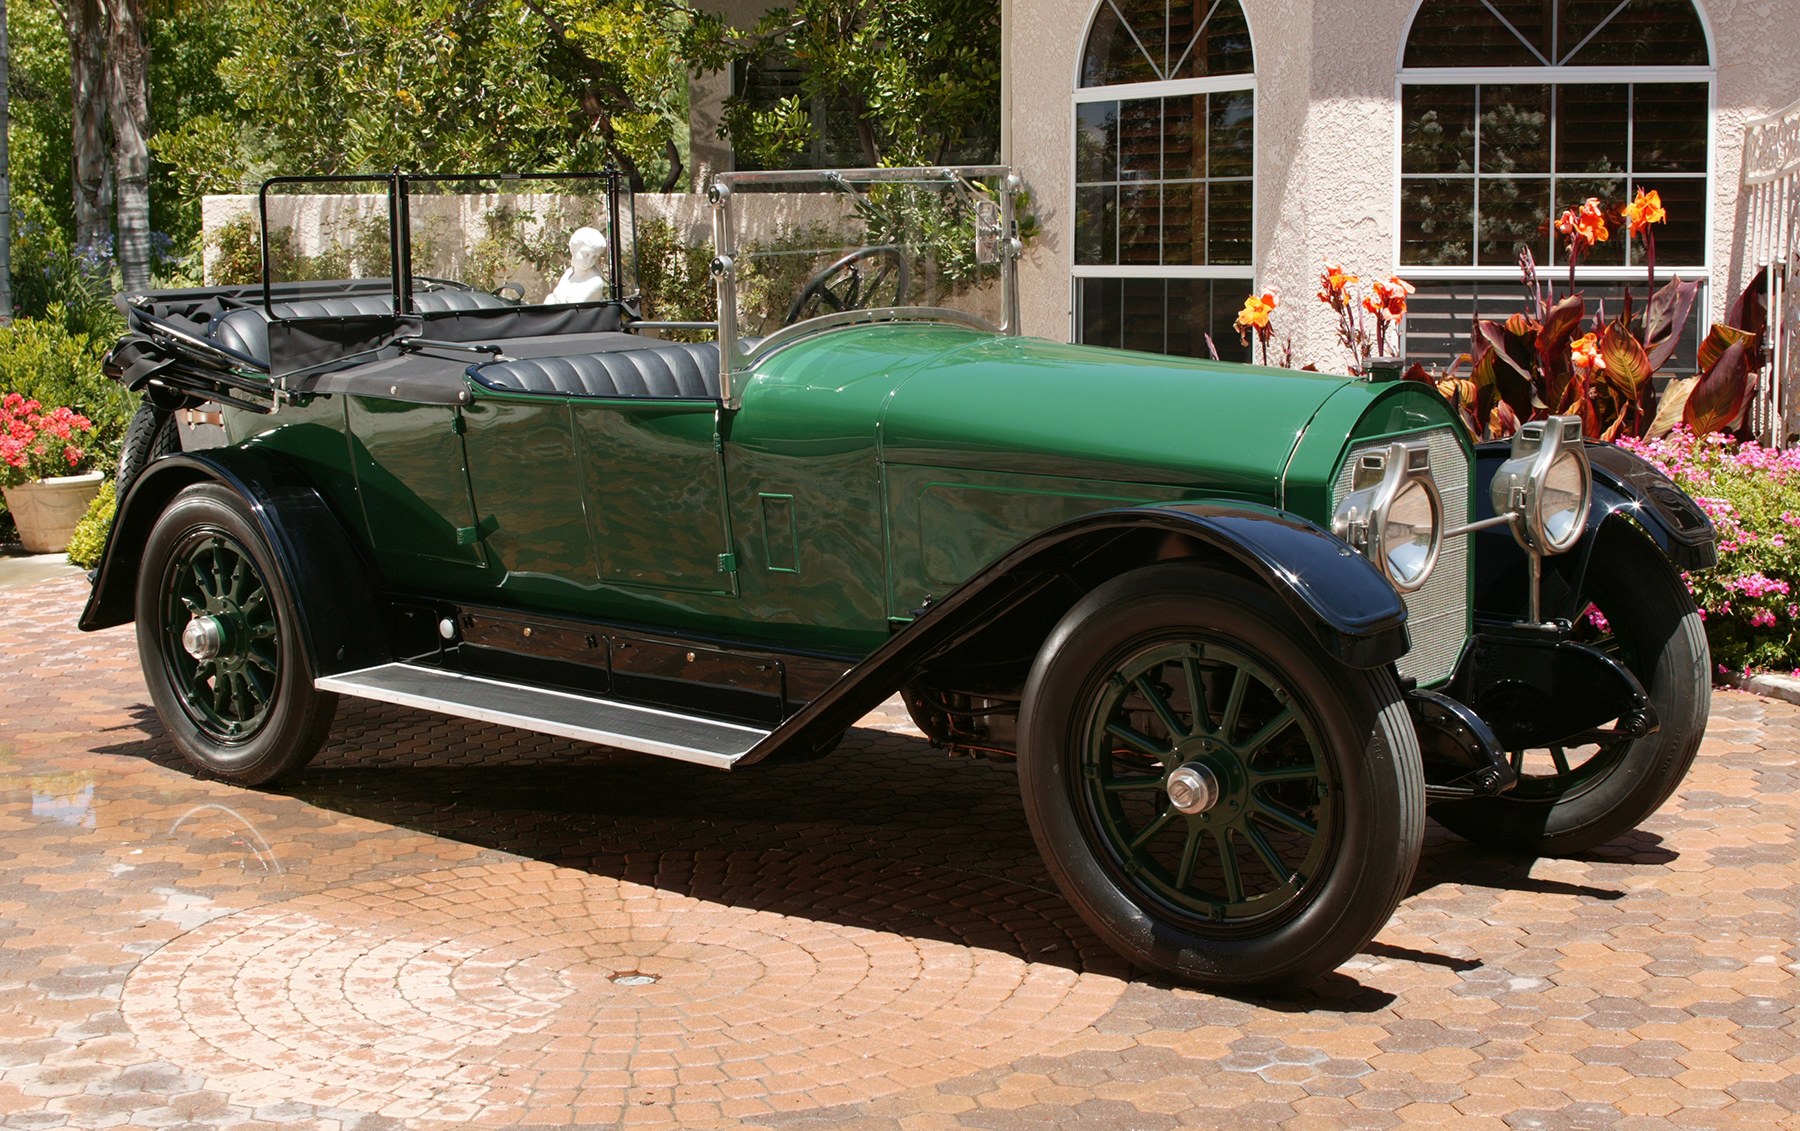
(46, 361)
(89, 538)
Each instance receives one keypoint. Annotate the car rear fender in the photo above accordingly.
(316, 561)
(1627, 491)
(1343, 600)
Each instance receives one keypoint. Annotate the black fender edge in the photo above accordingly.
(1355, 614)
(1628, 491)
(316, 561)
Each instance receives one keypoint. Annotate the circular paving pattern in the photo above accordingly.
(467, 994)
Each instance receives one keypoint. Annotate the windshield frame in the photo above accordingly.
(737, 355)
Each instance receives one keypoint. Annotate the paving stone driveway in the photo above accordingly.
(443, 923)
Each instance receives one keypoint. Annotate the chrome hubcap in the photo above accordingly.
(1193, 789)
(203, 638)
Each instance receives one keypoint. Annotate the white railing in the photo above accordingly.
(1771, 204)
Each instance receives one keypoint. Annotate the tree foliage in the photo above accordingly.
(918, 81)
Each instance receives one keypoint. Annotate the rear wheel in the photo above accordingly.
(1218, 799)
(1571, 799)
(219, 643)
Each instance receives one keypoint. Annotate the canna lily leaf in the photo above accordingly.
(1627, 365)
(1664, 317)
(1672, 406)
(1717, 399)
(1716, 342)
(1553, 350)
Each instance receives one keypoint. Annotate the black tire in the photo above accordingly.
(151, 435)
(1596, 793)
(1308, 740)
(250, 712)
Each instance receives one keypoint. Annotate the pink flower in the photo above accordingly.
(1762, 618)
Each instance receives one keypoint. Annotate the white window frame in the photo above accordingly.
(1163, 88)
(1555, 75)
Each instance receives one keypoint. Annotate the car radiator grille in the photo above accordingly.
(1437, 612)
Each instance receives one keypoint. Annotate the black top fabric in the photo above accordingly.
(672, 369)
(246, 329)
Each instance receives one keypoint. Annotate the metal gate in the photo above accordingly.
(1771, 194)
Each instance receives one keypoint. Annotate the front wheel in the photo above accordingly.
(1219, 800)
(218, 637)
(1572, 799)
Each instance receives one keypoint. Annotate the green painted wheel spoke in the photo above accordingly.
(1268, 733)
(1560, 758)
(238, 573)
(1161, 706)
(1133, 785)
(1234, 883)
(1190, 851)
(1190, 668)
(1149, 831)
(1234, 703)
(1308, 772)
(1282, 817)
(1131, 737)
(253, 685)
(1277, 867)
(1518, 762)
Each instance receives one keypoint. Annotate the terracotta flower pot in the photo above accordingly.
(47, 510)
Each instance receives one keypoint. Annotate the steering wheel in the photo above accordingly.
(516, 295)
(852, 282)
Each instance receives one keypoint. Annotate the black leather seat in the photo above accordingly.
(672, 369)
(435, 302)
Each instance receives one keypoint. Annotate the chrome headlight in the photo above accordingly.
(1546, 484)
(1393, 513)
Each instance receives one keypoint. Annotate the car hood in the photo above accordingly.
(1031, 406)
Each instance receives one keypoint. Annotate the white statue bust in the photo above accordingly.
(582, 281)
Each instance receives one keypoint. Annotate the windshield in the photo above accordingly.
(806, 249)
(476, 240)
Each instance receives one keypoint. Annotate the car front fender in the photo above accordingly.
(316, 561)
(1627, 489)
(1352, 610)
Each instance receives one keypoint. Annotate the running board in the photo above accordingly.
(626, 726)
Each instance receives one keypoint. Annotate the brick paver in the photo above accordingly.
(442, 923)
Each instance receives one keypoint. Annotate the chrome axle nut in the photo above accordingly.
(1193, 789)
(203, 637)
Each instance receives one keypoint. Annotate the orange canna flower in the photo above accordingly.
(1334, 279)
(1646, 210)
(1257, 309)
(1585, 226)
(1584, 354)
(1388, 299)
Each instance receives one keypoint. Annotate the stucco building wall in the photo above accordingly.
(1326, 141)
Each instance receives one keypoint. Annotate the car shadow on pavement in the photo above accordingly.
(885, 834)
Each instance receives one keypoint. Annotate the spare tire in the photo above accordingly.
(151, 435)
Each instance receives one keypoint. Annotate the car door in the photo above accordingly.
(584, 495)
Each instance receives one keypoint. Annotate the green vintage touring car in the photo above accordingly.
(1239, 627)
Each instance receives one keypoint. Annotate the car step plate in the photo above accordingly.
(627, 726)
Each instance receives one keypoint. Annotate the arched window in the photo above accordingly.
(1513, 110)
(1165, 116)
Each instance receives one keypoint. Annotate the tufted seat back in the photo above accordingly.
(674, 369)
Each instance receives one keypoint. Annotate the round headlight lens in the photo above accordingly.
(1409, 536)
(1562, 502)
